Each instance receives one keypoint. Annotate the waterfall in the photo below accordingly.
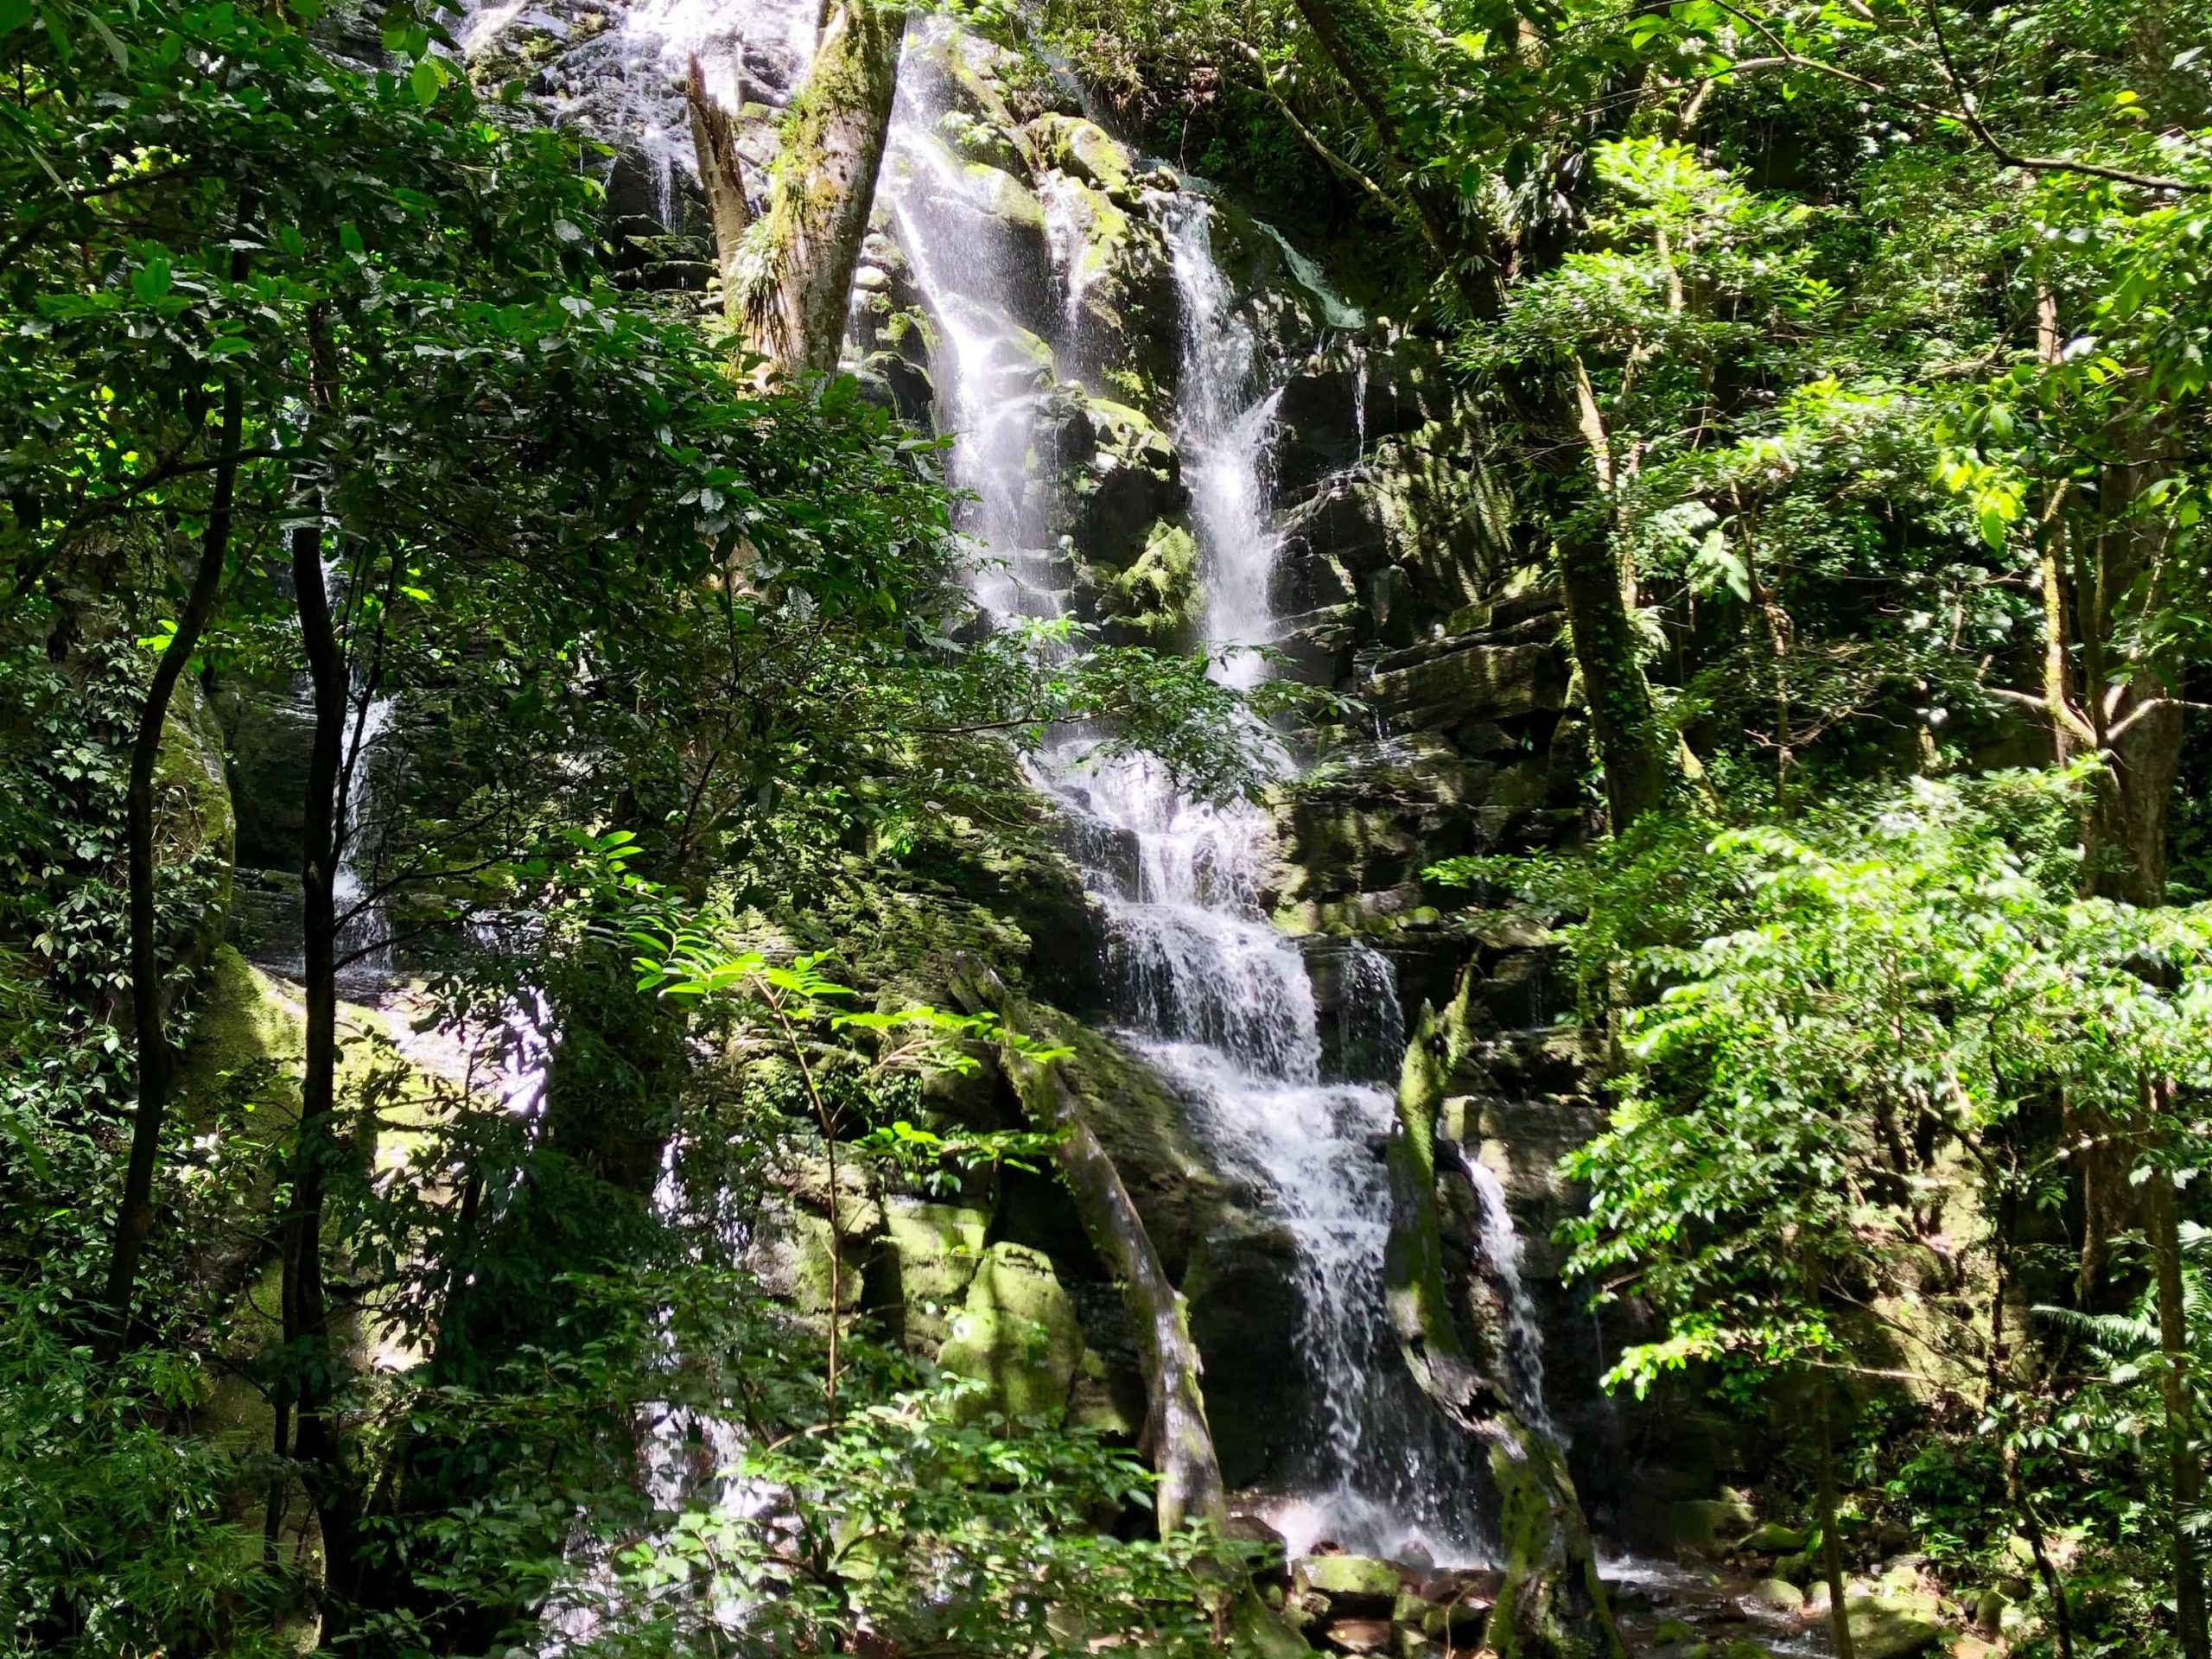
(363, 933)
(1203, 985)
(1523, 1333)
(1222, 431)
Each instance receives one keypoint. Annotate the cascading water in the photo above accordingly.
(1221, 1002)
(1222, 431)
(1524, 1333)
(364, 934)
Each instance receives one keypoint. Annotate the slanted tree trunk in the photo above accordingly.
(134, 1222)
(1176, 1434)
(722, 175)
(796, 272)
(1552, 1601)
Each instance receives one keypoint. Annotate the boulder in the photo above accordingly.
(1160, 598)
(1703, 1524)
(1363, 1586)
(1773, 1596)
(1018, 1333)
(1130, 480)
(193, 818)
(1004, 198)
(1772, 1539)
(1460, 1622)
(1802, 1567)
(1359, 1636)
(268, 736)
(1989, 1608)
(1894, 1624)
(980, 141)
(1448, 684)
(937, 1248)
(1671, 1631)
(1083, 151)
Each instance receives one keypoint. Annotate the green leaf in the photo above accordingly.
(153, 279)
(13, 14)
(426, 80)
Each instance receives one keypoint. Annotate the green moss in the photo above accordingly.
(938, 1248)
(1004, 197)
(1159, 596)
(1083, 151)
(1018, 1333)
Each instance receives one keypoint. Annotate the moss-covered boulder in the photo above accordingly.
(1084, 149)
(936, 1249)
(1159, 599)
(1894, 1624)
(1772, 1538)
(1359, 1584)
(981, 141)
(1774, 1596)
(1018, 1333)
(195, 822)
(1128, 479)
(1711, 1523)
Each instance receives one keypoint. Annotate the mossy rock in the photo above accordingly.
(980, 140)
(1894, 1624)
(938, 1248)
(1772, 1538)
(1003, 198)
(792, 1256)
(1706, 1522)
(1776, 1595)
(1160, 598)
(193, 815)
(1671, 1631)
(1018, 1333)
(1084, 150)
(1353, 1584)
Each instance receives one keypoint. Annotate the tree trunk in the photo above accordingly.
(312, 1365)
(1552, 1601)
(156, 1061)
(2185, 1471)
(721, 173)
(1831, 1535)
(1624, 722)
(1176, 1432)
(800, 257)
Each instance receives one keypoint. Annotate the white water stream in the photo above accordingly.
(1217, 998)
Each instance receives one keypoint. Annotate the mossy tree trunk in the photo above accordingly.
(794, 272)
(1552, 1601)
(1177, 1436)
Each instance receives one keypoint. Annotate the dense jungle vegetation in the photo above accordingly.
(1846, 365)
